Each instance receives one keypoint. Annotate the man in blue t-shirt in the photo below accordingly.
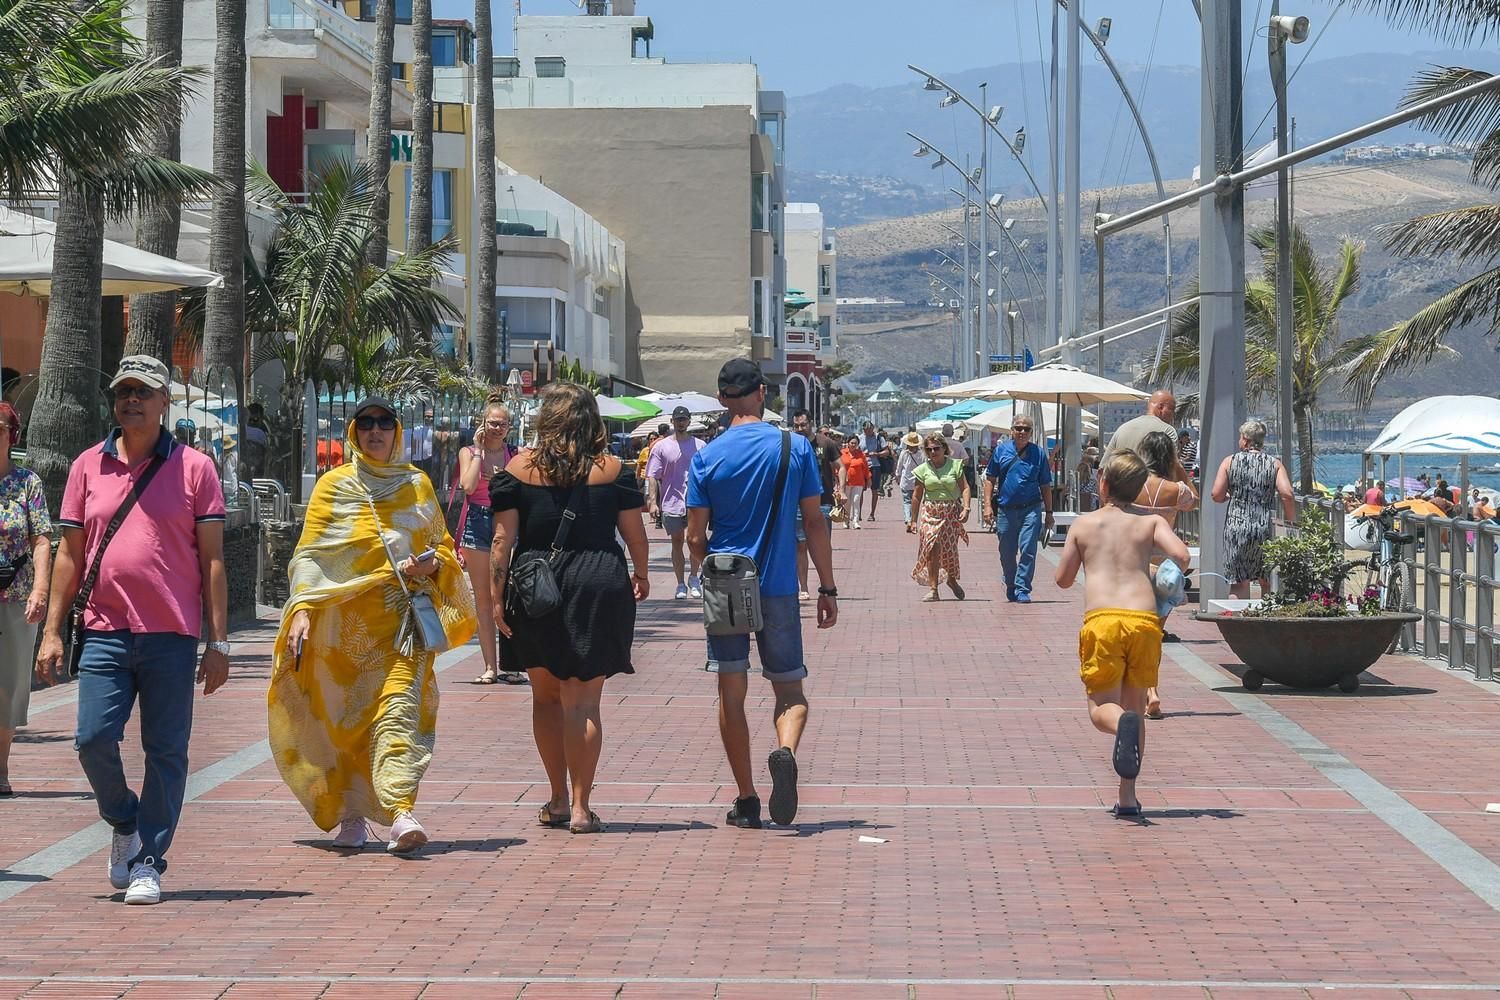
(729, 497)
(1017, 489)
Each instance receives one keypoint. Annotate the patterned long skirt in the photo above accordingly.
(939, 530)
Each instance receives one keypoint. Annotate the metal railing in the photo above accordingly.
(307, 15)
(1453, 562)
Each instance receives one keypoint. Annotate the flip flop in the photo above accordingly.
(509, 677)
(1127, 755)
(931, 596)
(546, 817)
(1154, 713)
(1125, 812)
(484, 679)
(594, 825)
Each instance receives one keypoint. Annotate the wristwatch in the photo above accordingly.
(222, 648)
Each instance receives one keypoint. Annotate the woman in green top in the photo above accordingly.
(941, 495)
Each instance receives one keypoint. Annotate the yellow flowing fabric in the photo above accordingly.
(352, 726)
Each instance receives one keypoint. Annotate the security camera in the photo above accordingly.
(1292, 29)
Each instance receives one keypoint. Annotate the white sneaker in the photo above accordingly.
(695, 586)
(353, 833)
(406, 835)
(681, 594)
(122, 848)
(145, 884)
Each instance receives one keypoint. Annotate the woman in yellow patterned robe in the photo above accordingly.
(353, 700)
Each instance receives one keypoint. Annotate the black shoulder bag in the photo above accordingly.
(73, 637)
(533, 584)
(731, 581)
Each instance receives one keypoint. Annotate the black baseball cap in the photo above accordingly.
(740, 377)
(374, 402)
(682, 413)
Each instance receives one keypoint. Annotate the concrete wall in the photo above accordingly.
(674, 185)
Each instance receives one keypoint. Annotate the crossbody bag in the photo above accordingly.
(731, 581)
(532, 581)
(73, 636)
(420, 623)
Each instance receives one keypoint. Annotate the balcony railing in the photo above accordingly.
(525, 222)
(309, 15)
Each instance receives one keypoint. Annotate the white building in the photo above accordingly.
(812, 329)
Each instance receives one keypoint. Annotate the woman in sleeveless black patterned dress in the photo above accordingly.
(1250, 481)
(569, 653)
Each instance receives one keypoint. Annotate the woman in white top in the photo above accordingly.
(907, 461)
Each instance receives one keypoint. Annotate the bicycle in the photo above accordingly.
(1385, 569)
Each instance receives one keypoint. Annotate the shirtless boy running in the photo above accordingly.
(1119, 646)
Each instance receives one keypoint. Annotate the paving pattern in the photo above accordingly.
(1296, 844)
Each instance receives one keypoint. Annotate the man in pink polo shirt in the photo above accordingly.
(159, 573)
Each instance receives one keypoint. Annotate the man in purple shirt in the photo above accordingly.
(666, 495)
(161, 571)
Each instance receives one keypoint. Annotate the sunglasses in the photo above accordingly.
(141, 392)
(932, 451)
(385, 423)
(497, 423)
(1021, 429)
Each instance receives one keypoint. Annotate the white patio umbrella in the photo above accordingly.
(1456, 426)
(26, 262)
(772, 417)
(611, 410)
(1066, 385)
(999, 418)
(984, 387)
(647, 426)
(696, 402)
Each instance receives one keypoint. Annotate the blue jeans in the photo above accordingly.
(906, 504)
(116, 668)
(1018, 529)
(779, 644)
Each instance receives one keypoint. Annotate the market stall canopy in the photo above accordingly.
(1443, 425)
(961, 411)
(626, 408)
(26, 262)
(696, 402)
(888, 392)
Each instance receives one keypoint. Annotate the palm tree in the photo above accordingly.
(419, 211)
(224, 327)
(1317, 294)
(378, 135)
(485, 321)
(151, 315)
(317, 296)
(1470, 236)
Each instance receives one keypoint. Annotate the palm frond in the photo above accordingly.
(139, 183)
(1455, 21)
(1469, 234)
(1419, 339)
(1466, 121)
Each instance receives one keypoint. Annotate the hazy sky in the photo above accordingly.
(806, 45)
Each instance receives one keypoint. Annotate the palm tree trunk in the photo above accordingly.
(485, 323)
(65, 418)
(378, 136)
(224, 338)
(1302, 415)
(153, 315)
(419, 217)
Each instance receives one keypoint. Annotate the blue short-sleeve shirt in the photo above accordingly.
(1019, 477)
(733, 476)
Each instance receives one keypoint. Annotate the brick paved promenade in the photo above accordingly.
(1298, 845)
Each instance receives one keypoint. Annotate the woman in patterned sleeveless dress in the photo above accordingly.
(1250, 481)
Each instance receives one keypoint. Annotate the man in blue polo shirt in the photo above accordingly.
(1018, 499)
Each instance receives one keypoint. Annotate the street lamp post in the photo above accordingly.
(1284, 30)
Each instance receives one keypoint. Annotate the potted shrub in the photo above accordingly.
(1310, 633)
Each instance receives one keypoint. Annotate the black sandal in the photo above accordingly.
(513, 677)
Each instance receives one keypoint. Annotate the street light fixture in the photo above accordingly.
(920, 151)
(932, 84)
(1008, 225)
(1020, 142)
(996, 199)
(995, 113)
(1103, 30)
(948, 100)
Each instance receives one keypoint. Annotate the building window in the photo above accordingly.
(550, 67)
(825, 279)
(448, 117)
(525, 318)
(445, 48)
(771, 126)
(398, 71)
(825, 332)
(760, 197)
(442, 202)
(505, 67)
(403, 11)
(757, 307)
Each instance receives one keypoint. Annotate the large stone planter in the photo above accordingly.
(1308, 652)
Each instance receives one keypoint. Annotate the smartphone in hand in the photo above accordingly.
(423, 557)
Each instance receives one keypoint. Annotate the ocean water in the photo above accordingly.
(1338, 468)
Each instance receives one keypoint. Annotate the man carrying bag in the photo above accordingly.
(737, 512)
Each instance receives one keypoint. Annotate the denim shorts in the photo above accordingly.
(673, 524)
(779, 644)
(479, 528)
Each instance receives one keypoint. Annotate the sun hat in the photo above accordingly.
(912, 440)
(144, 369)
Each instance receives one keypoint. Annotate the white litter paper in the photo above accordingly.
(877, 840)
(1493, 807)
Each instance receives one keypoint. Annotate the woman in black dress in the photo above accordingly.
(569, 653)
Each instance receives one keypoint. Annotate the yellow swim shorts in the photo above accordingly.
(1119, 647)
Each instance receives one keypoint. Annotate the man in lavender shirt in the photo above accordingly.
(666, 495)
